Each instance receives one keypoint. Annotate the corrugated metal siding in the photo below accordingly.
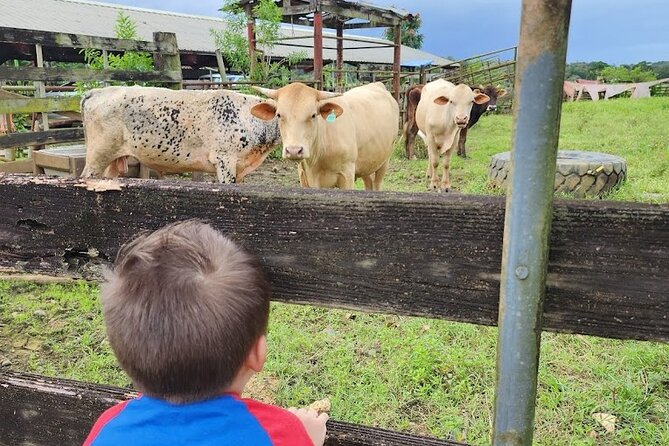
(193, 32)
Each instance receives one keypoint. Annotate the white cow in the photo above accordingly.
(175, 131)
(442, 112)
(335, 138)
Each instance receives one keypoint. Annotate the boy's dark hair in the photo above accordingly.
(183, 307)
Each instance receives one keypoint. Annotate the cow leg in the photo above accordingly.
(410, 132)
(378, 176)
(302, 174)
(433, 165)
(225, 170)
(445, 180)
(99, 163)
(346, 179)
(461, 143)
(369, 184)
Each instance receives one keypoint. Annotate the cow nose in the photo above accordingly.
(461, 120)
(295, 152)
(492, 108)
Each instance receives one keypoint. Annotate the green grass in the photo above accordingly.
(412, 374)
(636, 130)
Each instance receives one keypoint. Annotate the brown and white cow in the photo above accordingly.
(175, 131)
(443, 110)
(335, 138)
(478, 110)
(411, 129)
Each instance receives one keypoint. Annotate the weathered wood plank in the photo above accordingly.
(38, 105)
(48, 137)
(20, 166)
(38, 411)
(85, 74)
(435, 255)
(54, 39)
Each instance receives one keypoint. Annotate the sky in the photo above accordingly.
(613, 31)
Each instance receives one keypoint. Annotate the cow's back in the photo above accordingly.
(376, 118)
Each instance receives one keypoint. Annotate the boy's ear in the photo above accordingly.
(258, 354)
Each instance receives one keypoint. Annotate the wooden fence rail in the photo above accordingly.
(413, 254)
(66, 40)
(36, 410)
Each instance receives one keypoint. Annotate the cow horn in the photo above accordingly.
(270, 93)
(327, 95)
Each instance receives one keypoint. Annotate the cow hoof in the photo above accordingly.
(445, 189)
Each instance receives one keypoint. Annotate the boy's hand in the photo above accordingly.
(313, 423)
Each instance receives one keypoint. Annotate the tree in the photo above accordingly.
(235, 47)
(626, 74)
(410, 33)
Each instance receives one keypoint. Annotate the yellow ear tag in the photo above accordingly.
(331, 117)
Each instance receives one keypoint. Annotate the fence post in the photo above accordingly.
(168, 61)
(396, 60)
(529, 206)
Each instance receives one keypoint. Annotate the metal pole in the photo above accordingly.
(529, 205)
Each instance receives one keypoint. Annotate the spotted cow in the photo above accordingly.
(175, 131)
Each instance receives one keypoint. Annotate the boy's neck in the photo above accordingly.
(239, 382)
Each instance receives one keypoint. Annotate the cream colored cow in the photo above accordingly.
(442, 112)
(175, 131)
(336, 139)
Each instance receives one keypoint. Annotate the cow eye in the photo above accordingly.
(278, 115)
(313, 116)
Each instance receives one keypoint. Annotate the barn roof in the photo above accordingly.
(193, 31)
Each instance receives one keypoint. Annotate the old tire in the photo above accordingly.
(583, 174)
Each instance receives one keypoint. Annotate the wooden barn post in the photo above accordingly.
(251, 36)
(396, 61)
(340, 55)
(318, 49)
(529, 213)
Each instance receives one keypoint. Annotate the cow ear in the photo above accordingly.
(501, 92)
(265, 111)
(481, 98)
(441, 100)
(329, 108)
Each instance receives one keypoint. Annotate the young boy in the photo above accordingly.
(186, 312)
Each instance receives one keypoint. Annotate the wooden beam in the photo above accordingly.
(37, 138)
(37, 105)
(54, 39)
(251, 37)
(42, 411)
(340, 54)
(396, 62)
(318, 49)
(297, 10)
(168, 63)
(85, 74)
(435, 255)
(20, 166)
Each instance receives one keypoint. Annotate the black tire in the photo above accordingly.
(583, 174)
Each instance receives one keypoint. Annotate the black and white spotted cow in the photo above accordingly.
(174, 131)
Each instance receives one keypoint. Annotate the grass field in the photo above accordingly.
(419, 375)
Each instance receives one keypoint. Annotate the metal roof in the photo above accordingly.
(193, 32)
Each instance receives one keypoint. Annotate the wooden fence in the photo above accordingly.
(608, 271)
(167, 71)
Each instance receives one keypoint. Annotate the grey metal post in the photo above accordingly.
(529, 205)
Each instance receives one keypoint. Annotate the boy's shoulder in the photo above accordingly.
(228, 417)
(283, 427)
